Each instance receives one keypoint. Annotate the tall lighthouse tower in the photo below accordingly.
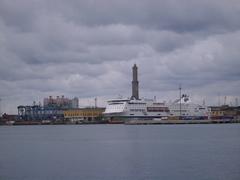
(135, 93)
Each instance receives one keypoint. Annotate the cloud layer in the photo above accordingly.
(87, 48)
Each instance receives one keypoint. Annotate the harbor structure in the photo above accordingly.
(216, 112)
(224, 112)
(83, 115)
(7, 119)
(61, 102)
(52, 109)
(38, 112)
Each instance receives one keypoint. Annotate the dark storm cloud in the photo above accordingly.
(86, 48)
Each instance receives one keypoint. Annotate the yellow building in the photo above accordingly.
(216, 112)
(83, 114)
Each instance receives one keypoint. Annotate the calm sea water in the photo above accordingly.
(168, 152)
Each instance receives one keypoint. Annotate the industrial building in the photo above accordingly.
(60, 102)
(225, 111)
(52, 109)
(83, 115)
(37, 112)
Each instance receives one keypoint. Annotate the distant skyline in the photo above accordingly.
(86, 49)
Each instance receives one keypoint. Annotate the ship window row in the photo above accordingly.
(157, 109)
(161, 104)
(83, 114)
(117, 106)
(137, 110)
(114, 103)
(179, 110)
(137, 103)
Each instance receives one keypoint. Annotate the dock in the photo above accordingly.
(162, 122)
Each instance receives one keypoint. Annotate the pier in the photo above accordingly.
(162, 122)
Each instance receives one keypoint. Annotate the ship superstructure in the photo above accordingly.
(136, 109)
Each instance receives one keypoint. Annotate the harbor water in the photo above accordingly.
(120, 152)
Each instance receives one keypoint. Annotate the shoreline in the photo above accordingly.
(130, 122)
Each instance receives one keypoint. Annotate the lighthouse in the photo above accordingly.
(135, 93)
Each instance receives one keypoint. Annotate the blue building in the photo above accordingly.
(51, 110)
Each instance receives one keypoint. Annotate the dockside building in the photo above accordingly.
(83, 114)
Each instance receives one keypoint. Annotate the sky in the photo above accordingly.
(86, 49)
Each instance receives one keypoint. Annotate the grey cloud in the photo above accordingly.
(207, 61)
(170, 15)
(167, 15)
(87, 48)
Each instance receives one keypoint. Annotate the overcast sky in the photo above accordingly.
(86, 48)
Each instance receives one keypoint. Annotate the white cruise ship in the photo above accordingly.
(122, 109)
(185, 109)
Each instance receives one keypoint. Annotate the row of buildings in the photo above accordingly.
(52, 109)
(59, 109)
(57, 113)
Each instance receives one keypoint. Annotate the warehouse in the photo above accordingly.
(83, 115)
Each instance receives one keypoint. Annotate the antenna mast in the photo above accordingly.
(95, 102)
(219, 104)
(236, 102)
(0, 107)
(225, 100)
(180, 97)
